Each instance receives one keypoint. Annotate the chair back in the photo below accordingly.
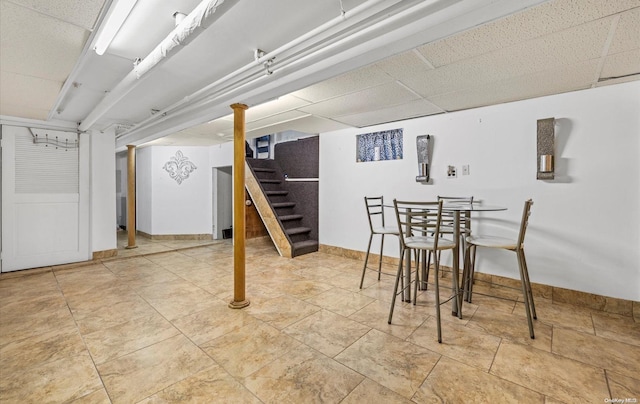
(526, 212)
(465, 220)
(459, 200)
(418, 219)
(375, 207)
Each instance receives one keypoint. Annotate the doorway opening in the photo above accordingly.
(222, 178)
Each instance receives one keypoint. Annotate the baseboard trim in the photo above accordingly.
(169, 237)
(98, 255)
(555, 294)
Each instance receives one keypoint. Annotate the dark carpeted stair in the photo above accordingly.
(269, 175)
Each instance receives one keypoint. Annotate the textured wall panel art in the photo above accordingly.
(179, 167)
(385, 145)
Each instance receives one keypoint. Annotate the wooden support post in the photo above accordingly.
(239, 230)
(131, 196)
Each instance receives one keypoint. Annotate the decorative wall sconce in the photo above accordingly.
(546, 147)
(423, 149)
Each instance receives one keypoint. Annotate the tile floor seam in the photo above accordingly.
(349, 273)
(82, 336)
(516, 383)
(606, 378)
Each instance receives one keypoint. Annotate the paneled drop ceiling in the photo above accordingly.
(549, 48)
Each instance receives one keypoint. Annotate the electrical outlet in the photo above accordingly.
(465, 169)
(451, 172)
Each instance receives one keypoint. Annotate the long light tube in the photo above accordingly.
(112, 24)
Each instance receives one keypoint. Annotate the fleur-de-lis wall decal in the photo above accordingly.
(179, 167)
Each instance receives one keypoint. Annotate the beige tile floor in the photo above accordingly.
(156, 328)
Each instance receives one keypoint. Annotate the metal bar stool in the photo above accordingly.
(419, 224)
(516, 246)
(375, 214)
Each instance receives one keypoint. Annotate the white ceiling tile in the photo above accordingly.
(84, 15)
(549, 17)
(275, 119)
(23, 111)
(567, 47)
(274, 107)
(309, 124)
(183, 139)
(403, 111)
(211, 128)
(370, 99)
(621, 64)
(447, 79)
(347, 83)
(403, 65)
(627, 35)
(27, 91)
(36, 45)
(554, 81)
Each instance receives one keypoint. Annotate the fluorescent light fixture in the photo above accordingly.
(112, 24)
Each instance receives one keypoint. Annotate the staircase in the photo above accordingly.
(283, 205)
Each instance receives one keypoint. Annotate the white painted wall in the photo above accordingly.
(103, 191)
(163, 205)
(181, 208)
(221, 155)
(584, 231)
(144, 189)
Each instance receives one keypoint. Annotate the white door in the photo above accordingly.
(45, 189)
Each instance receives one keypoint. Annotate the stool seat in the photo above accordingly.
(385, 230)
(493, 242)
(428, 243)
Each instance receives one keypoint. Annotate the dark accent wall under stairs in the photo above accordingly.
(300, 159)
(287, 210)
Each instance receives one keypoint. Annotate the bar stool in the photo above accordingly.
(419, 225)
(516, 246)
(375, 214)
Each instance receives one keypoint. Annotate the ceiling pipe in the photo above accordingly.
(179, 17)
(355, 16)
(226, 87)
(187, 30)
(442, 21)
(319, 50)
(228, 90)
